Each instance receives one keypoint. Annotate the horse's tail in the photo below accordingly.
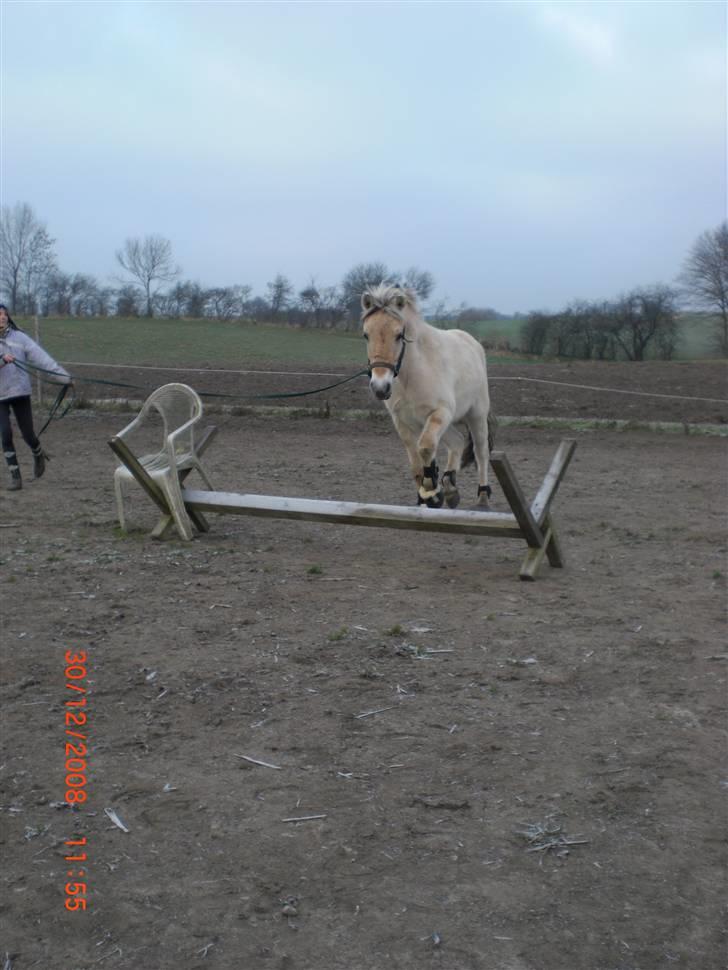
(469, 452)
(492, 425)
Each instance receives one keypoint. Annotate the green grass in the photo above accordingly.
(697, 337)
(696, 334)
(497, 332)
(193, 343)
(214, 343)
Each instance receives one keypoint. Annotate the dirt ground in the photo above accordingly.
(495, 775)
(690, 392)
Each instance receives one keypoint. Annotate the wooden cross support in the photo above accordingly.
(165, 524)
(530, 522)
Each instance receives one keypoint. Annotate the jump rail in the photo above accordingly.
(532, 522)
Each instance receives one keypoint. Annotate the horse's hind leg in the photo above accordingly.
(455, 444)
(478, 425)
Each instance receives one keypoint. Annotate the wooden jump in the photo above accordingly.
(533, 522)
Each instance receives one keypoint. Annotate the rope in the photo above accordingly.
(202, 370)
(491, 378)
(29, 368)
(613, 390)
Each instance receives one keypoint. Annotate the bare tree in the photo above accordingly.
(127, 301)
(309, 299)
(645, 316)
(535, 332)
(26, 256)
(363, 275)
(356, 281)
(420, 281)
(332, 306)
(280, 291)
(444, 316)
(148, 262)
(227, 302)
(705, 279)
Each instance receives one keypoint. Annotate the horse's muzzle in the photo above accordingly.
(383, 393)
(381, 387)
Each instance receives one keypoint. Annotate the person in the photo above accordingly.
(15, 389)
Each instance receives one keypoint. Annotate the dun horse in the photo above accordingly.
(434, 384)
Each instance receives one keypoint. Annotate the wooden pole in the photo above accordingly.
(38, 382)
(354, 513)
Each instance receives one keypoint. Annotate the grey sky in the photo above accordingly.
(526, 154)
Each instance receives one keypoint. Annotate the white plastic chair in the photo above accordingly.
(180, 409)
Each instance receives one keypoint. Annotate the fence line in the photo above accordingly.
(491, 378)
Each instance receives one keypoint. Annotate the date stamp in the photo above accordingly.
(76, 717)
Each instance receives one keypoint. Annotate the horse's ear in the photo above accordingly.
(366, 301)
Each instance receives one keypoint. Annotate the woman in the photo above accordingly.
(15, 393)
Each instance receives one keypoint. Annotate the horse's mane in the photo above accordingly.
(390, 298)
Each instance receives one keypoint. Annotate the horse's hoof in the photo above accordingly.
(452, 496)
(484, 493)
(433, 500)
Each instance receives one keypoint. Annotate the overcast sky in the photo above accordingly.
(526, 154)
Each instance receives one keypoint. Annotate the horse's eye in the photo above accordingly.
(399, 336)
(365, 336)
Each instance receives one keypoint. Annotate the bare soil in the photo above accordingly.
(653, 391)
(507, 775)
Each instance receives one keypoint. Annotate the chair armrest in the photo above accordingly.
(173, 435)
(129, 428)
(205, 438)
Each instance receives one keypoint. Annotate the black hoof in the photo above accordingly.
(484, 493)
(452, 496)
(433, 501)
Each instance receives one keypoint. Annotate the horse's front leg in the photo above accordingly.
(431, 492)
(408, 438)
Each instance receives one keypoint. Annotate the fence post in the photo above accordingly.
(38, 382)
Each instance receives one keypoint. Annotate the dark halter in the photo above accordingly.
(395, 368)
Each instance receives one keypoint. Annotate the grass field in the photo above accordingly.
(213, 342)
(238, 345)
(695, 335)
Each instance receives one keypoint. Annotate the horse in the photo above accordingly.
(434, 383)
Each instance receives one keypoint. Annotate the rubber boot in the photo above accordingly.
(39, 461)
(16, 482)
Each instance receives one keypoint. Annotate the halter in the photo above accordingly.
(395, 368)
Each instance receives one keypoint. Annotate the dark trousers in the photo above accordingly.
(21, 408)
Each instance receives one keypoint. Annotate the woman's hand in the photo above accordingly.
(8, 358)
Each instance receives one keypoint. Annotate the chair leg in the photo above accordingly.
(203, 476)
(119, 503)
(170, 483)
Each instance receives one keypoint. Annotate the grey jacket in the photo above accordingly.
(15, 382)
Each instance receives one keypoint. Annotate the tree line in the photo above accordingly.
(150, 284)
(644, 320)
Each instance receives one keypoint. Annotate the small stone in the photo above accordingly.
(289, 910)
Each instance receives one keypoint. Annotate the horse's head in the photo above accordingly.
(384, 323)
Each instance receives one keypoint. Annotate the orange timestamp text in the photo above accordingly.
(76, 717)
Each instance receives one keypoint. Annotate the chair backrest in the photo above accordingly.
(179, 407)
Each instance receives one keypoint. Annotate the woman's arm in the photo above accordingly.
(35, 355)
